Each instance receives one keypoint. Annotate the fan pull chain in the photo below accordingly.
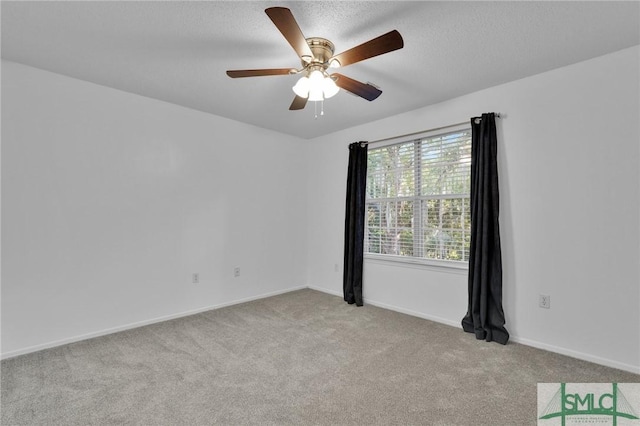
(315, 109)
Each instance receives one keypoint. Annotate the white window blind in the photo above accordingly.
(418, 198)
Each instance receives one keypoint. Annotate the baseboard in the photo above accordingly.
(53, 344)
(523, 341)
(325, 290)
(575, 354)
(516, 339)
(392, 307)
(412, 313)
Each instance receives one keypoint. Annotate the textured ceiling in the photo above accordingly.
(179, 51)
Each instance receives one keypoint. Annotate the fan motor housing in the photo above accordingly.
(322, 50)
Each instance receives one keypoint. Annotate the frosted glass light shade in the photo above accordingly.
(302, 87)
(329, 88)
(315, 77)
(315, 94)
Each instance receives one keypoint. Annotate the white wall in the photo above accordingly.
(111, 200)
(568, 163)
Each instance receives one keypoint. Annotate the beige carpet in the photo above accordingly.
(300, 358)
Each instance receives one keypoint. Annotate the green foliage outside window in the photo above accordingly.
(418, 198)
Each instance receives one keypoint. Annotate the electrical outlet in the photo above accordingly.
(544, 301)
(236, 271)
(335, 267)
(195, 278)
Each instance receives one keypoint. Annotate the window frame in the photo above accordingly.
(452, 266)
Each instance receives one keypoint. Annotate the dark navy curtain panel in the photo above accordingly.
(354, 223)
(485, 316)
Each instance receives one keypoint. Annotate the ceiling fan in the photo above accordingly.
(316, 55)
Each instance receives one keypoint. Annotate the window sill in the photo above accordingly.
(461, 268)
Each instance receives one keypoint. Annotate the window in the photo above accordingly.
(418, 199)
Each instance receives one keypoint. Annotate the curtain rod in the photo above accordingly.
(428, 130)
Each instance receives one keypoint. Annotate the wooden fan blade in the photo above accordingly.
(258, 73)
(298, 103)
(363, 90)
(286, 23)
(384, 44)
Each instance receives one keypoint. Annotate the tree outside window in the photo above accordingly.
(418, 198)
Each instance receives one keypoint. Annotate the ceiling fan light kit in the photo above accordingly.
(318, 86)
(316, 56)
